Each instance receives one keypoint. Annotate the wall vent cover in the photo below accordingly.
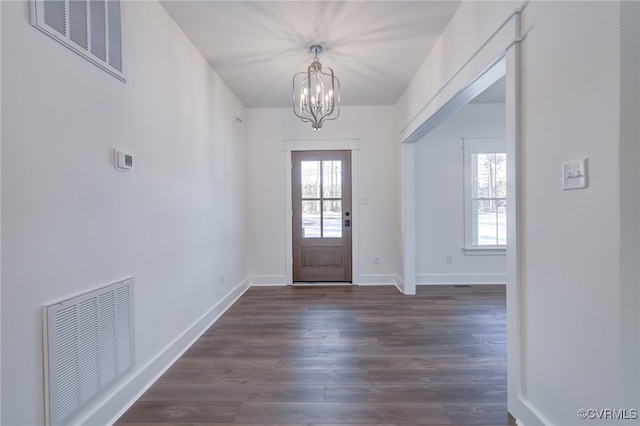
(88, 345)
(91, 28)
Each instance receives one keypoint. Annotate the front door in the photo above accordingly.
(321, 185)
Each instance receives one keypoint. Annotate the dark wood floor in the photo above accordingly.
(342, 355)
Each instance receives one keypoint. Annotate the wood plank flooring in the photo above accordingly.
(342, 355)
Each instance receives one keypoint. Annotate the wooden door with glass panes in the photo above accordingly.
(321, 186)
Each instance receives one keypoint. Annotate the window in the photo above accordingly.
(485, 196)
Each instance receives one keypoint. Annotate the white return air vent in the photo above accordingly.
(88, 345)
(91, 28)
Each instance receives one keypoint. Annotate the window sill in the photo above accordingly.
(484, 251)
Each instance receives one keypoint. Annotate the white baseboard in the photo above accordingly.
(377, 279)
(122, 397)
(364, 280)
(270, 280)
(464, 279)
(527, 412)
(399, 283)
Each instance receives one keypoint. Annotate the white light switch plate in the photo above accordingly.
(574, 174)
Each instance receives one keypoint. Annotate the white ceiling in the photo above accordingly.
(374, 47)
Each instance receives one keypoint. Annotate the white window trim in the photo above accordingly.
(473, 146)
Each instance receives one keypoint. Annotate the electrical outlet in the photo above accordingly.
(376, 260)
(449, 259)
(221, 279)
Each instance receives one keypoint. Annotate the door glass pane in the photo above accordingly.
(332, 219)
(311, 219)
(310, 177)
(332, 179)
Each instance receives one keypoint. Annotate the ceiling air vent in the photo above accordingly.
(91, 28)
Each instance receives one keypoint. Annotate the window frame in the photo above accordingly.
(471, 146)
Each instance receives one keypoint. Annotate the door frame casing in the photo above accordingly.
(322, 248)
(321, 145)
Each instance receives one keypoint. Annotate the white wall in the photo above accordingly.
(439, 200)
(72, 223)
(577, 292)
(630, 202)
(377, 178)
(575, 335)
(0, 218)
(457, 58)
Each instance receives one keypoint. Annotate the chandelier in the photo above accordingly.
(316, 93)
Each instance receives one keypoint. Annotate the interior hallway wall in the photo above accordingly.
(72, 223)
(578, 290)
(377, 180)
(439, 199)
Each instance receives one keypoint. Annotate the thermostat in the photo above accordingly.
(123, 161)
